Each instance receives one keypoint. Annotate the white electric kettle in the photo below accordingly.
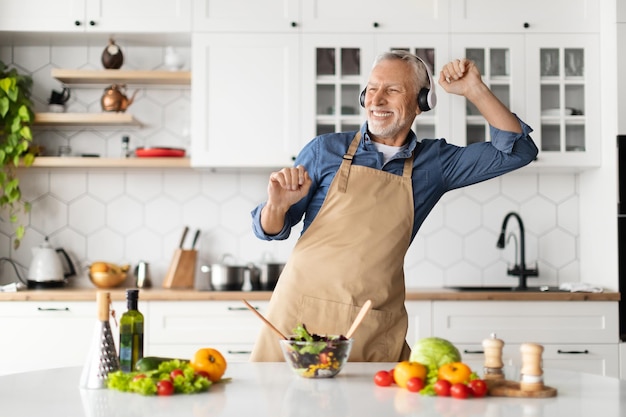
(46, 269)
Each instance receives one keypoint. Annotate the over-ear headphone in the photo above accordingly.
(426, 98)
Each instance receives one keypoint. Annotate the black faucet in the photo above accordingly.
(520, 269)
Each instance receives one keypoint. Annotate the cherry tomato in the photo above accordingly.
(478, 387)
(442, 388)
(460, 390)
(203, 374)
(165, 387)
(383, 378)
(175, 373)
(415, 384)
(393, 375)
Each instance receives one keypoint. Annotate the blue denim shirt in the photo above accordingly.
(438, 167)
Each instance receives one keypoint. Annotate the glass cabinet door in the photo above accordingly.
(335, 71)
(433, 49)
(562, 71)
(500, 63)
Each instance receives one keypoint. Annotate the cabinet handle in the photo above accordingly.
(92, 23)
(77, 23)
(53, 309)
(473, 352)
(573, 352)
(294, 24)
(239, 352)
(375, 24)
(526, 25)
(240, 308)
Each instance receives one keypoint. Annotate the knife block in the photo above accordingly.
(182, 270)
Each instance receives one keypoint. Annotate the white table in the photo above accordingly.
(271, 389)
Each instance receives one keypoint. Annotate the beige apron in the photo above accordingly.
(353, 251)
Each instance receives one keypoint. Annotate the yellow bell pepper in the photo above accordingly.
(209, 361)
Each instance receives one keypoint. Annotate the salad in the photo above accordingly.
(314, 355)
(171, 377)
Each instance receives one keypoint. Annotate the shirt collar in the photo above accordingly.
(368, 144)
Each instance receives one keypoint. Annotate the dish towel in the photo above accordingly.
(579, 287)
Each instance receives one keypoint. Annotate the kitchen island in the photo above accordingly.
(272, 389)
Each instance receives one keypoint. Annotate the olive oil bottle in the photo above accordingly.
(131, 333)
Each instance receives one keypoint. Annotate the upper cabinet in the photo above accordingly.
(245, 95)
(391, 16)
(539, 16)
(121, 16)
(246, 16)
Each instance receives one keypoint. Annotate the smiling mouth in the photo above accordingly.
(380, 113)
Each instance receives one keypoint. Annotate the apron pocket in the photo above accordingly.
(371, 339)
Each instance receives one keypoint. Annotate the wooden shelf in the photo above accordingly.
(152, 78)
(91, 162)
(85, 119)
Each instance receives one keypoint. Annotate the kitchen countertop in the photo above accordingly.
(415, 294)
(271, 389)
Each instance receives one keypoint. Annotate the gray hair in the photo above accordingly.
(419, 68)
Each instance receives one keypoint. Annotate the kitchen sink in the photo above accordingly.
(540, 288)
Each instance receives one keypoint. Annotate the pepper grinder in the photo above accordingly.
(493, 365)
(531, 372)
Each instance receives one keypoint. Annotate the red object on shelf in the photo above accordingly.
(159, 152)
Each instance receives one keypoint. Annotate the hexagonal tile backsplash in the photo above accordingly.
(125, 216)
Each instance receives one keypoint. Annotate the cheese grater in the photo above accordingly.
(102, 357)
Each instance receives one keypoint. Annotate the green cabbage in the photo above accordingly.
(433, 352)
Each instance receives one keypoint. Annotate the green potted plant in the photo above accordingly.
(16, 117)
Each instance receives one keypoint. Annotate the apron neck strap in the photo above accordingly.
(344, 169)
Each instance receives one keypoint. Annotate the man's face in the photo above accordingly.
(391, 101)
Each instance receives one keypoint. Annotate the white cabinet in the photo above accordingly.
(127, 16)
(576, 335)
(179, 329)
(528, 16)
(420, 321)
(40, 335)
(246, 100)
(551, 81)
(246, 16)
(370, 15)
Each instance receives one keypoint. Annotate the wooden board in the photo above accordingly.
(512, 389)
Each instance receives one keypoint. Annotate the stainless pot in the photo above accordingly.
(224, 276)
(265, 276)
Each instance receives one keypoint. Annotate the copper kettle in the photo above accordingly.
(115, 99)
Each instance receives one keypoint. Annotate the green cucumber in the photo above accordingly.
(151, 363)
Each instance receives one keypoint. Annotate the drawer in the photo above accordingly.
(234, 352)
(541, 322)
(204, 323)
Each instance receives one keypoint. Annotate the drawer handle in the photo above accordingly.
(239, 352)
(240, 308)
(473, 352)
(573, 352)
(53, 309)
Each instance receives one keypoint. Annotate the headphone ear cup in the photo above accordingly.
(362, 98)
(422, 99)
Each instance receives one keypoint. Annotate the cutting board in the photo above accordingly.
(506, 388)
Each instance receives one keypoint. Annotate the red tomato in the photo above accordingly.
(138, 377)
(203, 374)
(383, 378)
(165, 387)
(478, 387)
(393, 375)
(442, 388)
(175, 373)
(460, 390)
(415, 384)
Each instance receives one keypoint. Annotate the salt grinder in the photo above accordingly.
(531, 372)
(493, 365)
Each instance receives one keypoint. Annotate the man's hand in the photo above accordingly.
(460, 77)
(286, 187)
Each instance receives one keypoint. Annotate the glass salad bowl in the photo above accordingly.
(322, 357)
